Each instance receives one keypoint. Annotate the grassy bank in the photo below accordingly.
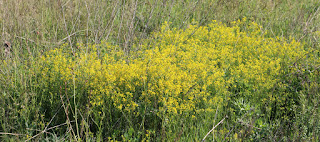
(160, 70)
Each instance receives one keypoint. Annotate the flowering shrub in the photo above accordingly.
(176, 71)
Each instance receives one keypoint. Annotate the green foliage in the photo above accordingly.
(183, 75)
(126, 74)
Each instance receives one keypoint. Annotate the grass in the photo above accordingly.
(35, 28)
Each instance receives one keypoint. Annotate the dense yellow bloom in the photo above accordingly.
(189, 70)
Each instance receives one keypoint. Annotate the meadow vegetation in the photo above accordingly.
(85, 70)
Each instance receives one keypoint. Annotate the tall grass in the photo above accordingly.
(39, 25)
(35, 28)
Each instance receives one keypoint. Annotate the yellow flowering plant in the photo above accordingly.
(183, 72)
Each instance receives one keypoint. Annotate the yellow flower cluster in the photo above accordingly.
(176, 71)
